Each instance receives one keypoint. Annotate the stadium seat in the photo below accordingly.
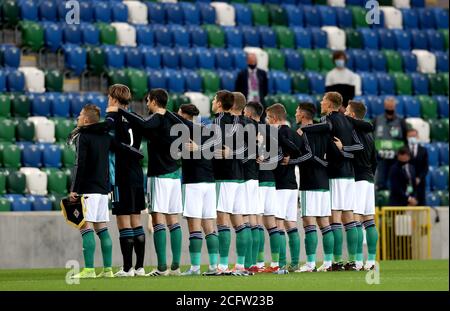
(386, 39)
(15, 81)
(174, 13)
(441, 18)
(126, 34)
(290, 104)
(137, 12)
(260, 14)
(151, 57)
(243, 15)
(251, 36)
(10, 12)
(68, 155)
(53, 36)
(361, 60)
(72, 34)
(444, 200)
(268, 37)
(439, 130)
(377, 60)
(28, 10)
(15, 182)
(369, 38)
(77, 103)
(326, 59)
(403, 40)
(56, 182)
(207, 12)
(20, 105)
(86, 12)
(169, 58)
(10, 155)
(193, 81)
(114, 56)
(311, 59)
(359, 17)
(420, 83)
(44, 129)
(34, 79)
(294, 15)
(433, 154)
(410, 19)
(327, 16)
(156, 79)
(75, 58)
(138, 83)
(394, 61)
(227, 79)
(282, 82)
(59, 105)
(369, 83)
(233, 37)
(216, 36)
(7, 130)
(276, 59)
(119, 11)
(174, 81)
(48, 11)
(19, 203)
(443, 105)
(191, 14)
(403, 83)
(205, 58)
(31, 156)
(422, 127)
(156, 13)
(443, 153)
(201, 101)
(108, 34)
(40, 105)
(319, 38)
(392, 17)
(311, 16)
(419, 39)
(441, 61)
(11, 55)
(411, 105)
(303, 37)
(5, 106)
(188, 58)
(211, 80)
(294, 61)
(432, 199)
(409, 61)
(225, 13)
(102, 11)
(239, 58)
(316, 82)
(278, 16)
(429, 108)
(435, 40)
(224, 59)
(335, 37)
(145, 35)
(439, 179)
(54, 81)
(285, 37)
(180, 36)
(386, 84)
(96, 59)
(353, 39)
(437, 84)
(2, 80)
(36, 181)
(62, 129)
(426, 18)
(39, 203)
(2, 183)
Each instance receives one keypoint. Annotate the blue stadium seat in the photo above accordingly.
(40, 105)
(72, 33)
(199, 37)
(2, 81)
(344, 18)
(281, 82)
(169, 58)
(86, 11)
(402, 39)
(304, 98)
(239, 58)
(22, 144)
(411, 106)
(133, 58)
(316, 82)
(399, 107)
(90, 34)
(410, 18)
(294, 60)
(40, 203)
(156, 79)
(312, 16)
(19, 203)
(188, 58)
(303, 37)
(319, 38)
(433, 155)
(28, 10)
(435, 40)
(386, 39)
(327, 15)
(439, 179)
(420, 83)
(102, 11)
(419, 39)
(409, 61)
(441, 18)
(233, 37)
(227, 79)
(443, 153)
(31, 156)
(59, 105)
(442, 102)
(11, 55)
(151, 57)
(207, 12)
(174, 13)
(432, 199)
(114, 56)
(224, 59)
(441, 61)
(191, 14)
(180, 36)
(205, 58)
(427, 18)
(48, 11)
(53, 35)
(119, 11)
(98, 99)
(163, 35)
(369, 83)
(268, 37)
(51, 156)
(243, 15)
(77, 103)
(15, 81)
(294, 15)
(369, 38)
(251, 36)
(361, 60)
(378, 60)
(174, 80)
(144, 35)
(376, 104)
(156, 13)
(193, 81)
(428, 180)
(386, 83)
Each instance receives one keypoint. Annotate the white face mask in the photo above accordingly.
(412, 140)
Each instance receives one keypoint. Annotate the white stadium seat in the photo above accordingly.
(126, 34)
(336, 37)
(358, 84)
(422, 127)
(426, 61)
(225, 14)
(340, 3)
(137, 12)
(402, 4)
(261, 55)
(200, 101)
(44, 129)
(34, 79)
(36, 180)
(392, 17)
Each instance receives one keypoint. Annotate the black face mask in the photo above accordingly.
(389, 112)
(252, 67)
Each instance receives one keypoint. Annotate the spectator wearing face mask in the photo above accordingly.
(342, 80)
(419, 160)
(390, 136)
(402, 180)
(252, 81)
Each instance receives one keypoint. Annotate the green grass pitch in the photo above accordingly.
(394, 275)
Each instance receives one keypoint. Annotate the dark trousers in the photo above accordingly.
(382, 173)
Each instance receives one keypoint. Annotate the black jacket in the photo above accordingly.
(420, 163)
(401, 177)
(242, 83)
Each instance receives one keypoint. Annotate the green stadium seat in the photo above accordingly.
(271, 99)
(176, 100)
(353, 39)
(5, 105)
(437, 84)
(11, 11)
(96, 59)
(20, 105)
(138, 83)
(285, 37)
(290, 104)
(56, 201)
(320, 2)
(444, 33)
(385, 2)
(5, 205)
(63, 128)
(11, 156)
(439, 130)
(311, 60)
(56, 181)
(445, 77)
(68, 155)
(32, 35)
(428, 107)
(326, 59)
(118, 76)
(359, 17)
(2, 182)
(444, 198)
(68, 172)
(300, 82)
(403, 83)
(144, 161)
(260, 14)
(108, 33)
(7, 130)
(211, 80)
(276, 59)
(382, 198)
(24, 130)
(16, 182)
(393, 61)
(277, 15)
(216, 36)
(54, 81)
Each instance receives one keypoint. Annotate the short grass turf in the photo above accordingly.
(394, 275)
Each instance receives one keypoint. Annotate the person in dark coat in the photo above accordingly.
(402, 178)
(419, 160)
(252, 81)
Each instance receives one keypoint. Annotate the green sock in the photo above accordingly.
(212, 243)
(106, 245)
(275, 241)
(352, 240)
(310, 243)
(327, 243)
(261, 244)
(88, 247)
(338, 238)
(282, 249)
(242, 235)
(294, 245)
(249, 247)
(224, 243)
(159, 238)
(255, 244)
(175, 244)
(372, 239)
(195, 247)
(359, 244)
